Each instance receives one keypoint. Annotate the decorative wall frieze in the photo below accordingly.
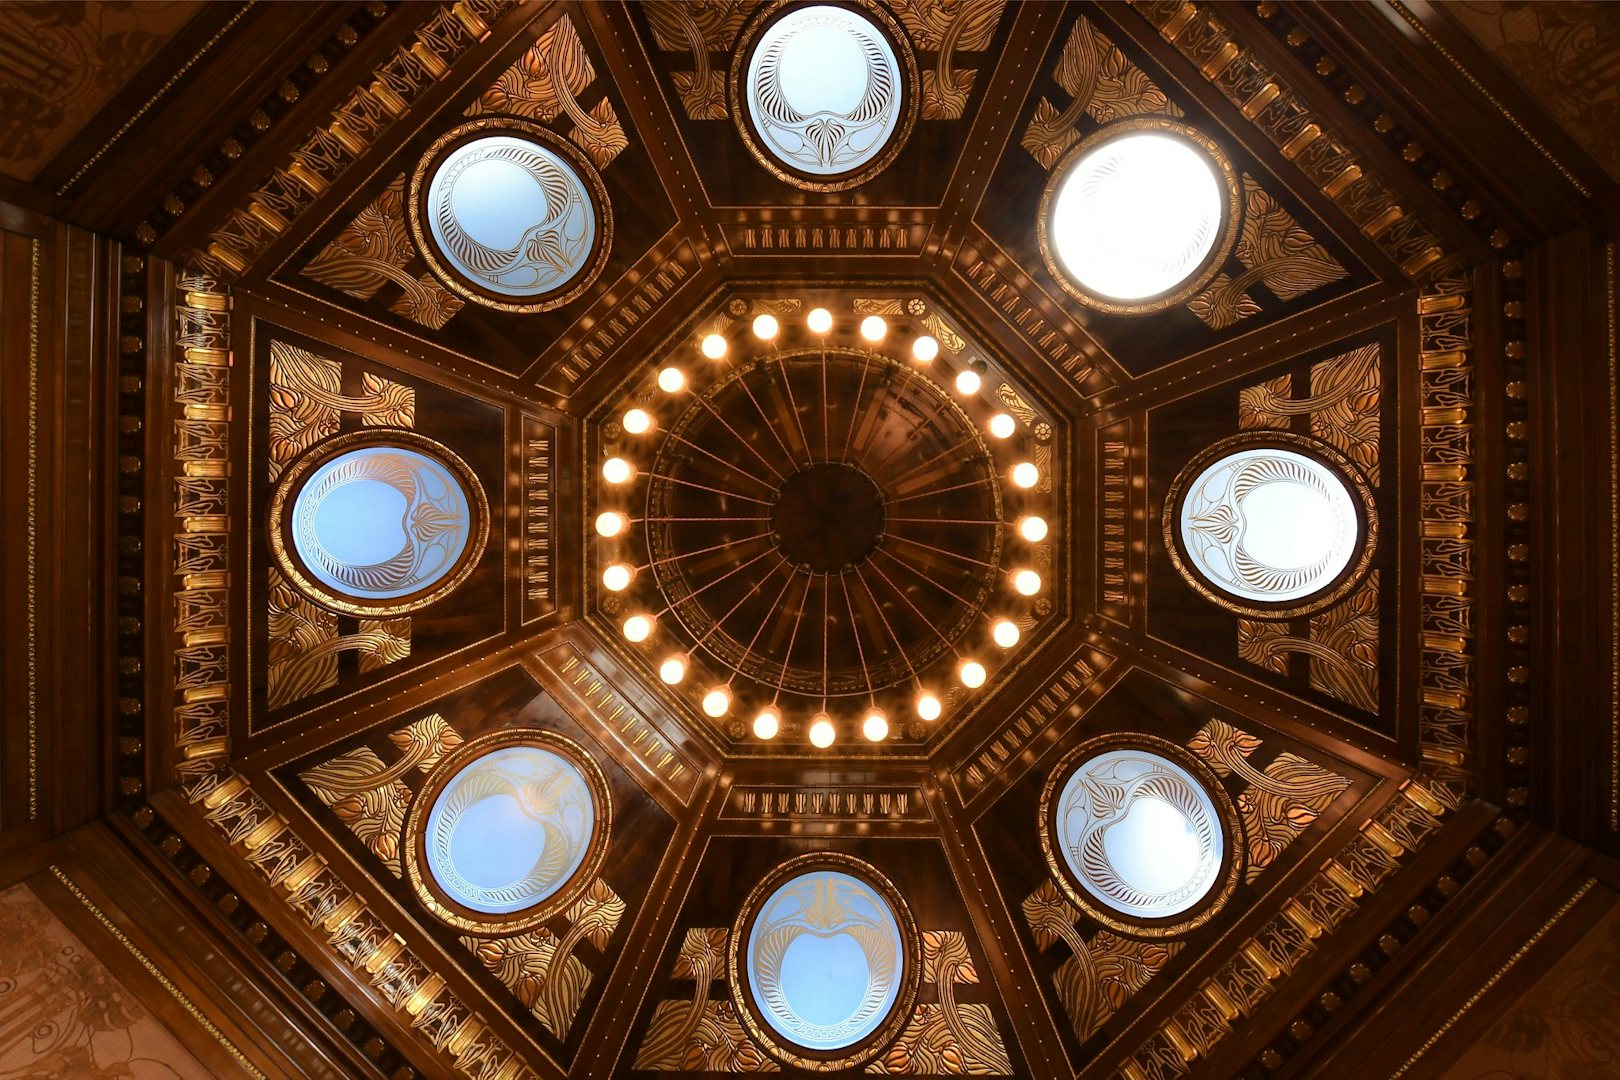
(768, 803)
(653, 288)
(1304, 137)
(538, 441)
(1101, 83)
(355, 125)
(1006, 291)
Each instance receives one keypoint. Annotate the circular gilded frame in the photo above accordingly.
(1232, 838)
(292, 480)
(437, 901)
(910, 103)
(1324, 454)
(448, 276)
(1231, 215)
(742, 1001)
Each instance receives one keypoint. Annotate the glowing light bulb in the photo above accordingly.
(819, 321)
(928, 706)
(924, 349)
(822, 732)
(1002, 426)
(1032, 528)
(616, 577)
(873, 328)
(616, 470)
(1027, 582)
(765, 327)
(638, 628)
(673, 669)
(611, 523)
(638, 421)
(714, 347)
(1005, 632)
(971, 673)
(717, 701)
(876, 726)
(1025, 474)
(672, 380)
(968, 382)
(767, 723)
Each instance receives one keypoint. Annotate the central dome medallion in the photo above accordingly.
(826, 522)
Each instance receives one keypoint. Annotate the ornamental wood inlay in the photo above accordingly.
(946, 28)
(537, 464)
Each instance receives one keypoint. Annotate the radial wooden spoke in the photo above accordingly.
(742, 380)
(953, 448)
(770, 613)
(939, 491)
(745, 443)
(701, 551)
(943, 551)
(855, 413)
(711, 584)
(793, 408)
(855, 632)
(732, 465)
(667, 479)
(883, 617)
(901, 593)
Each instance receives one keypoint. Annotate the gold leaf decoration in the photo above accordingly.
(1275, 252)
(426, 302)
(1265, 405)
(554, 70)
(301, 659)
(371, 251)
(1101, 82)
(1347, 667)
(1124, 965)
(1052, 919)
(931, 1045)
(1048, 134)
(356, 788)
(1345, 395)
(944, 333)
(717, 1042)
(530, 967)
(380, 642)
(302, 412)
(1223, 302)
(883, 306)
(423, 742)
(1264, 644)
(600, 134)
(702, 27)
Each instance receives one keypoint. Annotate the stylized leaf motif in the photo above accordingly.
(355, 785)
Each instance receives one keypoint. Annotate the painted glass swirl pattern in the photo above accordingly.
(510, 829)
(381, 522)
(1269, 525)
(511, 216)
(1136, 215)
(1139, 833)
(824, 90)
(825, 960)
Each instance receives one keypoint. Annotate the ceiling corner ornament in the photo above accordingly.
(1140, 835)
(509, 215)
(1234, 517)
(508, 831)
(377, 522)
(1139, 215)
(824, 962)
(824, 95)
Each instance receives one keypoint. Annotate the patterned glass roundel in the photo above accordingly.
(381, 522)
(1139, 833)
(825, 960)
(824, 90)
(1269, 524)
(511, 216)
(510, 829)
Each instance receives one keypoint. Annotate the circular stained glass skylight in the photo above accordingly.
(825, 961)
(1135, 216)
(379, 523)
(824, 91)
(1269, 525)
(511, 216)
(509, 829)
(1139, 833)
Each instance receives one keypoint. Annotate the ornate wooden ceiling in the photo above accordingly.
(1386, 298)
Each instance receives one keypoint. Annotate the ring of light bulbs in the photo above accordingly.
(614, 525)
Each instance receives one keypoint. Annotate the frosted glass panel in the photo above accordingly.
(380, 522)
(509, 829)
(824, 90)
(511, 216)
(1269, 525)
(825, 960)
(1136, 216)
(1139, 833)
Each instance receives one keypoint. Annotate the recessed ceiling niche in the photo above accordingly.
(1276, 526)
(824, 96)
(824, 961)
(1139, 215)
(509, 215)
(378, 522)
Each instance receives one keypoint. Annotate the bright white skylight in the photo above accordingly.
(509, 829)
(1139, 833)
(1136, 216)
(824, 90)
(1269, 525)
(380, 522)
(511, 216)
(825, 960)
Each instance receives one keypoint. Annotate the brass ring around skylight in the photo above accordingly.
(824, 95)
(377, 522)
(510, 215)
(1270, 524)
(1138, 216)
